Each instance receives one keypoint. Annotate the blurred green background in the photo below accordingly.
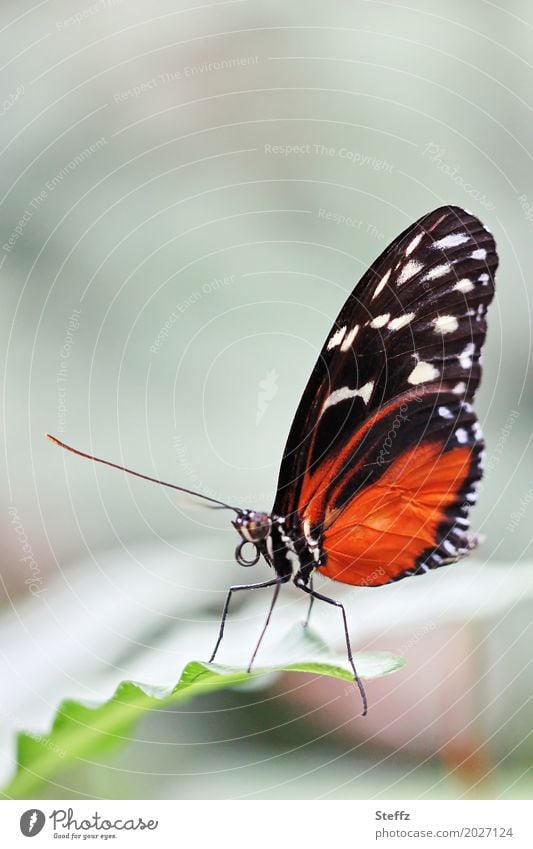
(189, 192)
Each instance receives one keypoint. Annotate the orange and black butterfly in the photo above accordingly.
(384, 455)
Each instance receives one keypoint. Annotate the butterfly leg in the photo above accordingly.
(275, 582)
(300, 584)
(311, 602)
(278, 583)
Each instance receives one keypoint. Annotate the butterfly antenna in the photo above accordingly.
(220, 504)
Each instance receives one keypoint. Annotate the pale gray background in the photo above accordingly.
(433, 102)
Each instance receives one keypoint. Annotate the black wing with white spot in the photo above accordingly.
(413, 327)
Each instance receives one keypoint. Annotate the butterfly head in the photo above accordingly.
(254, 527)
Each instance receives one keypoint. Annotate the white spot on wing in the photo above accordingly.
(464, 285)
(484, 278)
(366, 391)
(452, 240)
(414, 243)
(480, 253)
(465, 357)
(459, 388)
(381, 284)
(337, 338)
(348, 339)
(462, 435)
(422, 372)
(401, 321)
(437, 271)
(345, 393)
(380, 320)
(409, 270)
(445, 413)
(445, 324)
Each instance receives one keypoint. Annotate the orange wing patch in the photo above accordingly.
(314, 488)
(384, 530)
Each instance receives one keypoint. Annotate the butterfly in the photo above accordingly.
(384, 454)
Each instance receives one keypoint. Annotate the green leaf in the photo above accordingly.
(81, 730)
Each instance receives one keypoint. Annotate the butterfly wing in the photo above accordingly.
(383, 456)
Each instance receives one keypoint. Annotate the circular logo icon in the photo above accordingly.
(32, 822)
